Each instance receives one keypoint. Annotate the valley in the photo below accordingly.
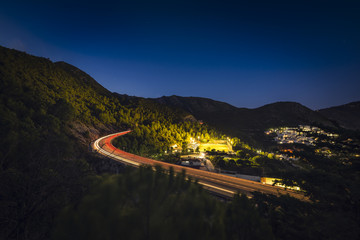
(51, 113)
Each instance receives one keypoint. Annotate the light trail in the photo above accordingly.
(213, 182)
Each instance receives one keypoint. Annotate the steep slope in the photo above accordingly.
(49, 113)
(347, 116)
(83, 78)
(40, 169)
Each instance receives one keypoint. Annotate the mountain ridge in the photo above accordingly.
(248, 123)
(228, 118)
(175, 99)
(50, 112)
(346, 115)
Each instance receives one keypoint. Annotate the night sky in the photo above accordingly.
(246, 53)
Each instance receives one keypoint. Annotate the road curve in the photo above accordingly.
(218, 184)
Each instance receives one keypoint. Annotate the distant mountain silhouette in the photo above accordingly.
(270, 115)
(196, 104)
(347, 116)
(288, 114)
(247, 123)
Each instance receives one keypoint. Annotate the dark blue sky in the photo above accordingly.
(246, 53)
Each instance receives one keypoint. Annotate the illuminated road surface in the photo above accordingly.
(219, 184)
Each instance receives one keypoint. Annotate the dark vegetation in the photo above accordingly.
(157, 127)
(40, 169)
(49, 113)
(334, 213)
(144, 204)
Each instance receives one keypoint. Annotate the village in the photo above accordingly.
(323, 143)
(303, 134)
(291, 143)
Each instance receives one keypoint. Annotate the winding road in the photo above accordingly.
(218, 184)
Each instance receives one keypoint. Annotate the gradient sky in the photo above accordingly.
(246, 53)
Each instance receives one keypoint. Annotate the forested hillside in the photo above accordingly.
(42, 168)
(49, 114)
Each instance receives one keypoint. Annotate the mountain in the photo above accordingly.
(83, 78)
(288, 114)
(347, 116)
(49, 114)
(196, 105)
(249, 124)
